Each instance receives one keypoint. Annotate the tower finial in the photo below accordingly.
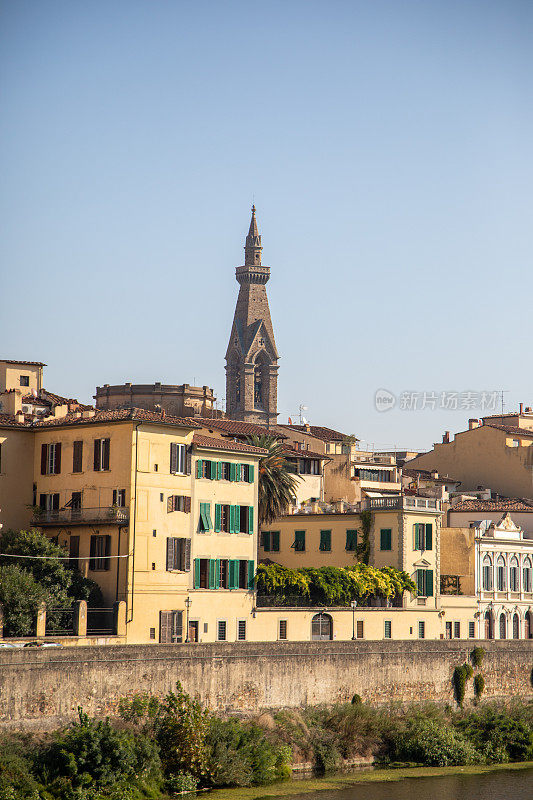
(252, 248)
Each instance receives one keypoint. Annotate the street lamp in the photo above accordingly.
(188, 602)
(354, 606)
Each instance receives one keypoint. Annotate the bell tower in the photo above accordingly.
(252, 357)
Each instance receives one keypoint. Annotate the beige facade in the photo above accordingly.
(497, 454)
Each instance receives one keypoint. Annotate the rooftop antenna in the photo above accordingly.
(503, 391)
(302, 418)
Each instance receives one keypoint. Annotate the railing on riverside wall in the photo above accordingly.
(100, 622)
(60, 622)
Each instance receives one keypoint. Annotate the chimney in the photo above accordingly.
(473, 423)
(521, 409)
(307, 427)
(446, 437)
(528, 409)
(19, 416)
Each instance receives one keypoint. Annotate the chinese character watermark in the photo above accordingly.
(468, 400)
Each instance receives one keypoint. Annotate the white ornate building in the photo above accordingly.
(504, 580)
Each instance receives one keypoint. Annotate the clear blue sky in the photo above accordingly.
(387, 146)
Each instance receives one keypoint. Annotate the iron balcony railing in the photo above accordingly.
(81, 516)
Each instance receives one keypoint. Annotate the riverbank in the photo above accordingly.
(338, 782)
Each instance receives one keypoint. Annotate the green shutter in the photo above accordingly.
(196, 573)
(199, 468)
(232, 471)
(275, 541)
(251, 473)
(417, 536)
(299, 541)
(212, 573)
(237, 472)
(325, 541)
(429, 537)
(266, 542)
(217, 573)
(251, 574)
(237, 518)
(208, 516)
(250, 519)
(351, 540)
(233, 573)
(420, 582)
(386, 539)
(218, 517)
(219, 470)
(429, 583)
(232, 519)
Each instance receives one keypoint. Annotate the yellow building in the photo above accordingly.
(494, 452)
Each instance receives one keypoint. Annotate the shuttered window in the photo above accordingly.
(100, 550)
(351, 540)
(221, 630)
(421, 630)
(472, 630)
(299, 541)
(101, 454)
(77, 456)
(178, 554)
(178, 502)
(266, 541)
(325, 541)
(423, 536)
(282, 634)
(51, 459)
(386, 539)
(270, 541)
(170, 627)
(178, 458)
(119, 497)
(424, 582)
(205, 517)
(241, 630)
(360, 628)
(388, 629)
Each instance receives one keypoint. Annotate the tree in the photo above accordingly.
(277, 482)
(20, 594)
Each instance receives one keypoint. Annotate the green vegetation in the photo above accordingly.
(363, 546)
(162, 746)
(479, 685)
(333, 586)
(460, 677)
(477, 656)
(277, 481)
(25, 582)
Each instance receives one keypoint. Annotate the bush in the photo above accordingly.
(16, 779)
(498, 734)
(20, 594)
(241, 754)
(433, 744)
(460, 676)
(477, 656)
(479, 684)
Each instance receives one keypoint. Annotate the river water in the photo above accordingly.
(505, 785)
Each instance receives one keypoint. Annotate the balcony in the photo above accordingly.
(402, 503)
(108, 515)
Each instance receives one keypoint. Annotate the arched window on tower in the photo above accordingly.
(260, 380)
(238, 386)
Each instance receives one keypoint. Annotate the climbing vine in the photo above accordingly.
(461, 675)
(363, 547)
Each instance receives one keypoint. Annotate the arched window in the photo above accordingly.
(487, 573)
(321, 627)
(526, 575)
(238, 386)
(489, 625)
(514, 575)
(501, 583)
(503, 626)
(528, 625)
(516, 626)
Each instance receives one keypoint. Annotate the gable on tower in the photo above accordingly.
(251, 356)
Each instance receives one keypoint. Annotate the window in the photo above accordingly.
(205, 517)
(178, 458)
(75, 503)
(424, 582)
(503, 627)
(421, 630)
(351, 541)
(178, 554)
(221, 630)
(386, 539)
(299, 541)
(170, 627)
(223, 580)
(214, 573)
(308, 466)
(77, 456)
(178, 502)
(119, 497)
(514, 575)
(325, 541)
(457, 630)
(471, 630)
(74, 549)
(245, 472)
(448, 630)
(516, 627)
(152, 633)
(270, 541)
(241, 630)
(379, 475)
(99, 560)
(206, 469)
(49, 502)
(487, 574)
(322, 627)
(526, 575)
(359, 628)
(101, 454)
(500, 575)
(388, 629)
(24, 380)
(51, 459)
(423, 536)
(282, 629)
(234, 519)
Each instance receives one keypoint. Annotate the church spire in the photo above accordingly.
(252, 248)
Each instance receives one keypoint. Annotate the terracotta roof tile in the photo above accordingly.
(9, 419)
(427, 474)
(237, 428)
(118, 415)
(292, 452)
(509, 429)
(510, 504)
(319, 432)
(29, 363)
(223, 444)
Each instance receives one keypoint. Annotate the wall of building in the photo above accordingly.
(16, 478)
(42, 689)
(463, 519)
(457, 556)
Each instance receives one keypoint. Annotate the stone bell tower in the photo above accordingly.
(252, 357)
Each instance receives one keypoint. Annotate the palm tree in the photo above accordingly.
(277, 482)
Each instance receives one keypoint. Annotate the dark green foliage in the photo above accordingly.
(16, 766)
(26, 582)
(428, 742)
(479, 684)
(240, 754)
(94, 755)
(500, 734)
(356, 699)
(363, 546)
(277, 482)
(477, 656)
(460, 677)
